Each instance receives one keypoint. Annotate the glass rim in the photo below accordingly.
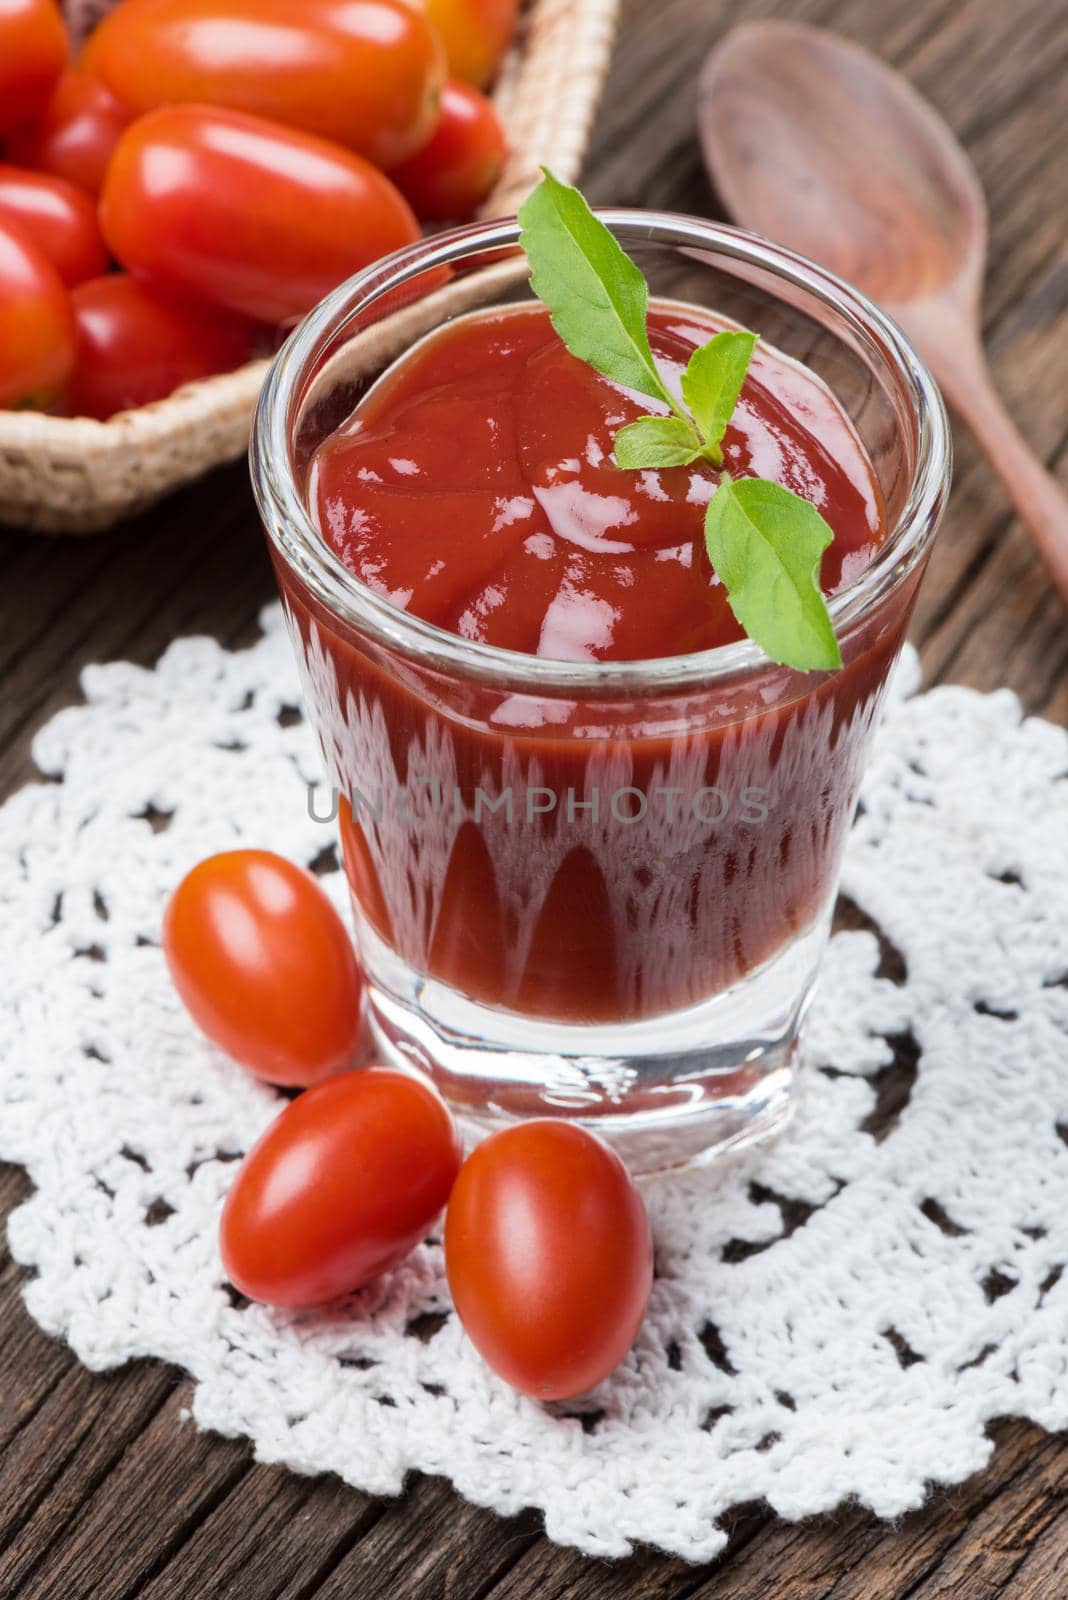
(294, 535)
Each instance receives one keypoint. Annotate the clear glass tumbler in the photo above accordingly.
(595, 891)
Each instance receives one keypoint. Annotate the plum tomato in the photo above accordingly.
(57, 217)
(36, 325)
(265, 966)
(366, 73)
(33, 53)
(549, 1257)
(133, 345)
(245, 214)
(341, 1187)
(476, 33)
(451, 176)
(73, 134)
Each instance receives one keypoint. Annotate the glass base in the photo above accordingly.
(671, 1091)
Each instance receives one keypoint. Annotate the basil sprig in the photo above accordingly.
(764, 541)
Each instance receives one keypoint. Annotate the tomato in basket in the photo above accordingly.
(134, 344)
(245, 214)
(36, 325)
(451, 176)
(74, 133)
(366, 73)
(33, 53)
(476, 34)
(57, 217)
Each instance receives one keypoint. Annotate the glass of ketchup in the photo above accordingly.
(592, 832)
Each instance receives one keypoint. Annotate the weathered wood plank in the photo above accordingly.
(274, 1536)
(1016, 1544)
(196, 564)
(460, 1557)
(73, 1443)
(120, 1518)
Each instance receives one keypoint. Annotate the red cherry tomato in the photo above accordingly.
(57, 217)
(33, 53)
(340, 1188)
(366, 73)
(452, 174)
(245, 214)
(549, 1257)
(264, 966)
(134, 345)
(476, 33)
(74, 133)
(36, 326)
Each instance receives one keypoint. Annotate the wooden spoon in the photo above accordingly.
(813, 142)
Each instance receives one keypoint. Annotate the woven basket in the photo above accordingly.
(75, 475)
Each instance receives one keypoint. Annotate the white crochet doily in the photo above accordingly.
(839, 1315)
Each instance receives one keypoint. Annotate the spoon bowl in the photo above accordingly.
(863, 176)
(813, 142)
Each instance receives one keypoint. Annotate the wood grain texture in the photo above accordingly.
(105, 1489)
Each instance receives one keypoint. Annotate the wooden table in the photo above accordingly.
(105, 1491)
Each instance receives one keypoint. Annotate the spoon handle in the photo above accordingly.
(958, 362)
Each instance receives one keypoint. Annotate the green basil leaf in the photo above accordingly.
(596, 295)
(713, 381)
(656, 442)
(765, 544)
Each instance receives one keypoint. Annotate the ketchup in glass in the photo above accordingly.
(532, 854)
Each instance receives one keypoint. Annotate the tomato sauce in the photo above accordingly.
(475, 487)
(593, 856)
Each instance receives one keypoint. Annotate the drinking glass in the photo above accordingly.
(595, 890)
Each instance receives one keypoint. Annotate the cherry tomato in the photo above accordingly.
(245, 214)
(549, 1257)
(452, 174)
(134, 345)
(56, 216)
(367, 73)
(33, 53)
(74, 133)
(264, 966)
(340, 1188)
(36, 326)
(476, 33)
